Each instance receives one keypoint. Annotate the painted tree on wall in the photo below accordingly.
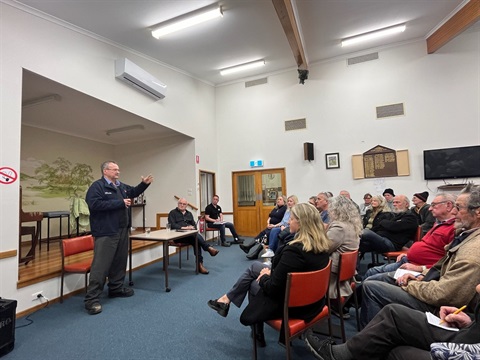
(61, 177)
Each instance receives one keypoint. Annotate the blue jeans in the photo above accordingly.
(385, 268)
(382, 291)
(370, 241)
(273, 238)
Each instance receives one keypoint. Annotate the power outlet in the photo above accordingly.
(37, 295)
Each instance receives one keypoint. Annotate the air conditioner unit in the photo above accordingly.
(134, 75)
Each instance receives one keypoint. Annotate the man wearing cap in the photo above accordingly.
(422, 210)
(388, 194)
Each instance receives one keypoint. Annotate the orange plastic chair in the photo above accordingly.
(180, 246)
(392, 255)
(303, 289)
(76, 264)
(213, 230)
(346, 272)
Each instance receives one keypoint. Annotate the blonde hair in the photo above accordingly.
(311, 233)
(294, 198)
(382, 205)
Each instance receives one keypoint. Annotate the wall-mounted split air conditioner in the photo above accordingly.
(135, 76)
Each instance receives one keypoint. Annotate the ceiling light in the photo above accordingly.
(125, 128)
(187, 20)
(242, 67)
(41, 100)
(374, 34)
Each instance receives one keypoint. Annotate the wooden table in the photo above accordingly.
(163, 236)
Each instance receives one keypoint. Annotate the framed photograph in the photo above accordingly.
(332, 161)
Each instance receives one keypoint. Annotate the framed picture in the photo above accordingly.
(332, 161)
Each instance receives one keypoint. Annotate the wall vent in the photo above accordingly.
(297, 124)
(362, 58)
(256, 82)
(390, 110)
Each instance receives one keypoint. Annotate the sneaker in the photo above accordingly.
(123, 292)
(93, 308)
(268, 254)
(238, 241)
(226, 244)
(321, 348)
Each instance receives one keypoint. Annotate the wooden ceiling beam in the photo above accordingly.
(286, 16)
(454, 26)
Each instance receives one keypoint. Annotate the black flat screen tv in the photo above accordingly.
(452, 163)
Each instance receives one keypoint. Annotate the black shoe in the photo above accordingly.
(219, 307)
(255, 252)
(238, 241)
(346, 313)
(123, 292)
(226, 244)
(322, 349)
(246, 248)
(94, 308)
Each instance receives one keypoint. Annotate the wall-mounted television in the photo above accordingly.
(452, 163)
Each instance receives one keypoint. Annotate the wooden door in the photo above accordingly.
(254, 196)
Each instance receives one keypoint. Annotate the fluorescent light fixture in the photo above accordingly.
(41, 100)
(125, 128)
(187, 20)
(242, 67)
(374, 34)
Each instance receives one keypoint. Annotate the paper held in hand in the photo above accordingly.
(219, 222)
(435, 321)
(401, 272)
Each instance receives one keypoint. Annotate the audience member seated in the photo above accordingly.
(388, 194)
(391, 234)
(292, 200)
(214, 218)
(450, 281)
(367, 200)
(422, 210)
(343, 232)
(275, 216)
(398, 332)
(312, 200)
(426, 252)
(308, 251)
(322, 206)
(182, 219)
(347, 195)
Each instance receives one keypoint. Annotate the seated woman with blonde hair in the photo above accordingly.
(307, 251)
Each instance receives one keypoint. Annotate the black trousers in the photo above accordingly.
(398, 332)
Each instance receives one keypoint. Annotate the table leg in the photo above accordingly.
(130, 281)
(165, 264)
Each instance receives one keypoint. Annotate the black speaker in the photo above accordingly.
(308, 151)
(7, 325)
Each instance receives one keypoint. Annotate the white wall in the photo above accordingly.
(86, 64)
(441, 93)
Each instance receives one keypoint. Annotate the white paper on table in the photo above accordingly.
(435, 321)
(219, 222)
(401, 272)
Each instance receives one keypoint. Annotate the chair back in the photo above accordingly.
(305, 288)
(347, 265)
(418, 234)
(77, 245)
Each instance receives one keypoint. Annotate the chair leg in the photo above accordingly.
(61, 288)
(180, 257)
(342, 322)
(254, 338)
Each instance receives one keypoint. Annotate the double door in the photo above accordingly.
(254, 196)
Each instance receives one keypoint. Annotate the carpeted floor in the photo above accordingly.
(154, 324)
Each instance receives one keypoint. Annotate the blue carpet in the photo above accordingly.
(154, 324)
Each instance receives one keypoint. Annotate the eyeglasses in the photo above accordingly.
(184, 204)
(460, 207)
(433, 204)
(113, 169)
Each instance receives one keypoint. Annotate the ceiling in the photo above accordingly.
(249, 30)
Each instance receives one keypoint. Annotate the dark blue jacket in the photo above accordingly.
(108, 213)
